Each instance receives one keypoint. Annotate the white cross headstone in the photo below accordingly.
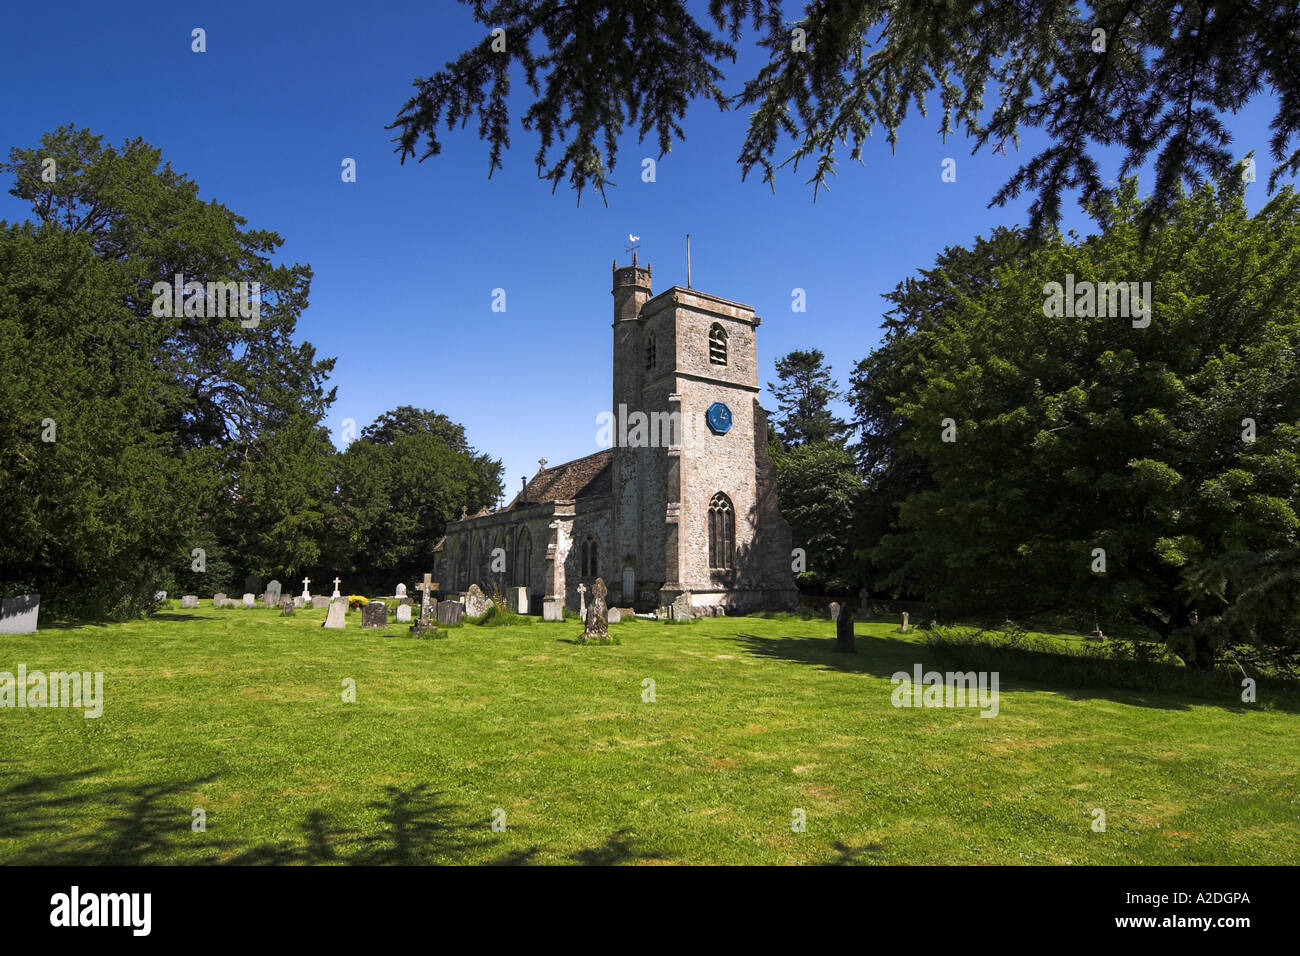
(336, 590)
(582, 601)
(306, 595)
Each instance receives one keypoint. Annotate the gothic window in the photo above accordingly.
(717, 345)
(650, 351)
(589, 546)
(722, 532)
(462, 568)
(523, 558)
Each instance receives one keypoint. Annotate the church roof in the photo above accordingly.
(581, 478)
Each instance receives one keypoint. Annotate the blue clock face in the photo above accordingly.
(719, 418)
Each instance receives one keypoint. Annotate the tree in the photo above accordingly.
(819, 492)
(1148, 76)
(1089, 461)
(804, 397)
(159, 410)
(409, 473)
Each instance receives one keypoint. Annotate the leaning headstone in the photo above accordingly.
(905, 616)
(299, 602)
(253, 584)
(404, 614)
(374, 614)
(218, 599)
(476, 602)
(519, 600)
(319, 601)
(449, 612)
(189, 600)
(336, 616)
(597, 628)
(835, 611)
(273, 592)
(286, 607)
(18, 614)
(844, 641)
(249, 600)
(553, 610)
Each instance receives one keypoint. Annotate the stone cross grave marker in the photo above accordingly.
(336, 590)
(582, 601)
(306, 594)
(426, 586)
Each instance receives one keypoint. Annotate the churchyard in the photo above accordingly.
(234, 735)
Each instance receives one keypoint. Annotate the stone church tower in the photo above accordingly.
(681, 510)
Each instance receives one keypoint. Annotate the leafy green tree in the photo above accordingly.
(803, 398)
(819, 493)
(1021, 444)
(158, 414)
(409, 473)
(1150, 77)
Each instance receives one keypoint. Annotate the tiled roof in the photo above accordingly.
(582, 478)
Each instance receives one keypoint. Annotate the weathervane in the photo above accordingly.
(633, 243)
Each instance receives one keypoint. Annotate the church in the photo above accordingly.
(681, 512)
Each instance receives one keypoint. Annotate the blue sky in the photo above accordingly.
(406, 258)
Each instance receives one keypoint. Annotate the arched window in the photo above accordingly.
(722, 532)
(650, 351)
(523, 558)
(477, 561)
(462, 567)
(589, 555)
(717, 345)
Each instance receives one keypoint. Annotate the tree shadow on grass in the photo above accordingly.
(64, 815)
(882, 657)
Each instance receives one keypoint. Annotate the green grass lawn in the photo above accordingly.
(240, 713)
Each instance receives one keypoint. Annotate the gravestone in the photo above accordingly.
(18, 614)
(286, 607)
(614, 615)
(449, 612)
(682, 607)
(404, 614)
(582, 601)
(266, 599)
(400, 592)
(427, 623)
(189, 600)
(905, 616)
(249, 600)
(298, 601)
(1095, 634)
(424, 588)
(844, 641)
(476, 602)
(835, 611)
(552, 609)
(374, 614)
(159, 596)
(218, 599)
(336, 617)
(597, 628)
(252, 584)
(306, 594)
(320, 601)
(273, 591)
(519, 600)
